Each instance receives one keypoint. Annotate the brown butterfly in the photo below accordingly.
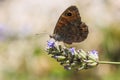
(69, 27)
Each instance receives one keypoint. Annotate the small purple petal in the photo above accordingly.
(56, 57)
(72, 50)
(50, 44)
(94, 53)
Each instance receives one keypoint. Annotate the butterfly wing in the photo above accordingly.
(69, 27)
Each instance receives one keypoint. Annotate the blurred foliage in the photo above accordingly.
(115, 75)
(111, 43)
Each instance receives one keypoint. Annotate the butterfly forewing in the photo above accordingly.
(69, 27)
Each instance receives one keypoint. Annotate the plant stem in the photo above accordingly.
(107, 62)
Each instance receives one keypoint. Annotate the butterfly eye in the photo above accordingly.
(69, 14)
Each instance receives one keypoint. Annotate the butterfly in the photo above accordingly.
(69, 27)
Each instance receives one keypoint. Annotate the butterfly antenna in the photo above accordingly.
(40, 34)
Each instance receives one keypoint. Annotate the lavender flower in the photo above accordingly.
(72, 59)
(93, 54)
(50, 44)
(72, 50)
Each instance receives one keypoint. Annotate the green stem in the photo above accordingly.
(107, 62)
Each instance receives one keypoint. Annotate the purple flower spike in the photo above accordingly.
(72, 50)
(50, 44)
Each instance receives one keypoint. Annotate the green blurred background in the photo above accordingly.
(22, 53)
